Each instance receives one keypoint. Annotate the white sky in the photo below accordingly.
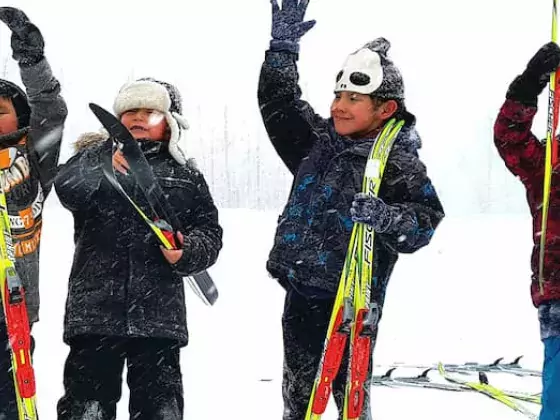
(457, 59)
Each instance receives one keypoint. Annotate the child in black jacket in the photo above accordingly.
(126, 297)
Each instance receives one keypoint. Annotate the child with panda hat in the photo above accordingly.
(327, 158)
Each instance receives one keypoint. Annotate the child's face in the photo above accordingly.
(145, 124)
(8, 117)
(356, 115)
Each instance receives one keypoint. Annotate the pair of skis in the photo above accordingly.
(354, 316)
(165, 223)
(513, 367)
(454, 384)
(551, 157)
(510, 398)
(15, 311)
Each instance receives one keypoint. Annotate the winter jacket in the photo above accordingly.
(120, 283)
(30, 165)
(524, 156)
(314, 229)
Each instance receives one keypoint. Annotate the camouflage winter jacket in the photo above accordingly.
(29, 158)
(524, 156)
(314, 229)
(120, 283)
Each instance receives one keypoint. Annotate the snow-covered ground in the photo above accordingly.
(463, 298)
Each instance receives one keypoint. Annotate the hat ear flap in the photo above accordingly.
(182, 121)
(175, 136)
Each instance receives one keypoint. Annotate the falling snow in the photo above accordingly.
(464, 297)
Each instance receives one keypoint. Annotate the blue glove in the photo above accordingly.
(288, 25)
(373, 211)
(27, 41)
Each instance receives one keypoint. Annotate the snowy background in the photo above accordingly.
(465, 297)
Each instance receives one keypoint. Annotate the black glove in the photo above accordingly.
(528, 86)
(288, 25)
(27, 42)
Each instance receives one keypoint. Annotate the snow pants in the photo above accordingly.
(8, 404)
(551, 380)
(93, 376)
(305, 322)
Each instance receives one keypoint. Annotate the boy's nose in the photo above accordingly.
(339, 106)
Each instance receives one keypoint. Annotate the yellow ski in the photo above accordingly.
(344, 310)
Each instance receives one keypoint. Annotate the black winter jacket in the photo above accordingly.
(120, 282)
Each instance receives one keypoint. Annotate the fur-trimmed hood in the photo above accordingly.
(90, 139)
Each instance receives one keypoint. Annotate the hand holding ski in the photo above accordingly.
(120, 163)
(371, 210)
(174, 255)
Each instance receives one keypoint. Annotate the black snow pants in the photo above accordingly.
(93, 376)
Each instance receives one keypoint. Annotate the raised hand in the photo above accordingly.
(27, 42)
(288, 25)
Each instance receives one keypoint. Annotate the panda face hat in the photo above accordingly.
(361, 73)
(368, 71)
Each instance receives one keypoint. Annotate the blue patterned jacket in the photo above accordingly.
(314, 229)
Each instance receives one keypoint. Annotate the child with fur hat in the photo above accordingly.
(524, 155)
(31, 128)
(126, 299)
(327, 158)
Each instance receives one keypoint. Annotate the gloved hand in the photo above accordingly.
(288, 25)
(27, 42)
(373, 211)
(527, 86)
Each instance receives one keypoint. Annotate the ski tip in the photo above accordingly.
(516, 360)
(388, 374)
(99, 111)
(94, 107)
(441, 368)
(497, 361)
